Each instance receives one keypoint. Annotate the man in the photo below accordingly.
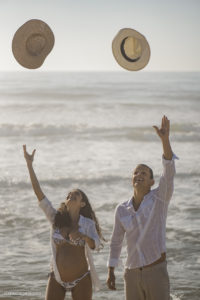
(142, 219)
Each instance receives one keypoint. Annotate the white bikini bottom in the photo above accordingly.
(70, 285)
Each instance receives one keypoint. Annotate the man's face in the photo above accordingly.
(142, 178)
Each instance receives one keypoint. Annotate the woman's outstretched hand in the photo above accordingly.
(28, 157)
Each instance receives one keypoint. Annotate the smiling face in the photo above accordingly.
(143, 177)
(74, 200)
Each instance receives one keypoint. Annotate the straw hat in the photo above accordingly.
(31, 43)
(131, 49)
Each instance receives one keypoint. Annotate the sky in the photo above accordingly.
(84, 30)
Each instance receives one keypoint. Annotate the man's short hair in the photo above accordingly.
(150, 170)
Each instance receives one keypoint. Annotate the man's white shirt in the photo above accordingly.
(144, 229)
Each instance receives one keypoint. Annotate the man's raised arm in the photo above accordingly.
(166, 183)
(163, 133)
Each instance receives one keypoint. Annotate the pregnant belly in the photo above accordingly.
(71, 262)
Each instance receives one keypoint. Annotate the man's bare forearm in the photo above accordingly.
(167, 150)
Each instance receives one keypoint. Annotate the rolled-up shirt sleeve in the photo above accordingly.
(48, 209)
(166, 183)
(116, 241)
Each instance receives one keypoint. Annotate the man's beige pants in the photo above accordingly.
(151, 283)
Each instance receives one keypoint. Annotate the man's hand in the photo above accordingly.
(111, 279)
(28, 157)
(163, 131)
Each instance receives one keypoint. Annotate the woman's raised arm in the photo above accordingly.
(35, 184)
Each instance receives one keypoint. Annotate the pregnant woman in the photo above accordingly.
(74, 231)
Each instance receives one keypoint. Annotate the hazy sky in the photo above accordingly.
(84, 31)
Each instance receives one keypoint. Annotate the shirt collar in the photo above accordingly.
(129, 203)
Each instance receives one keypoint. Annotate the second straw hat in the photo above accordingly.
(32, 42)
(131, 49)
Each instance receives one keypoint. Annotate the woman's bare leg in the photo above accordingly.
(83, 290)
(54, 290)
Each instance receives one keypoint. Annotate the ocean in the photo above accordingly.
(89, 131)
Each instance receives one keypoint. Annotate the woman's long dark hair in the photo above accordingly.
(63, 218)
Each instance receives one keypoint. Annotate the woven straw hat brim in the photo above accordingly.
(122, 61)
(32, 27)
